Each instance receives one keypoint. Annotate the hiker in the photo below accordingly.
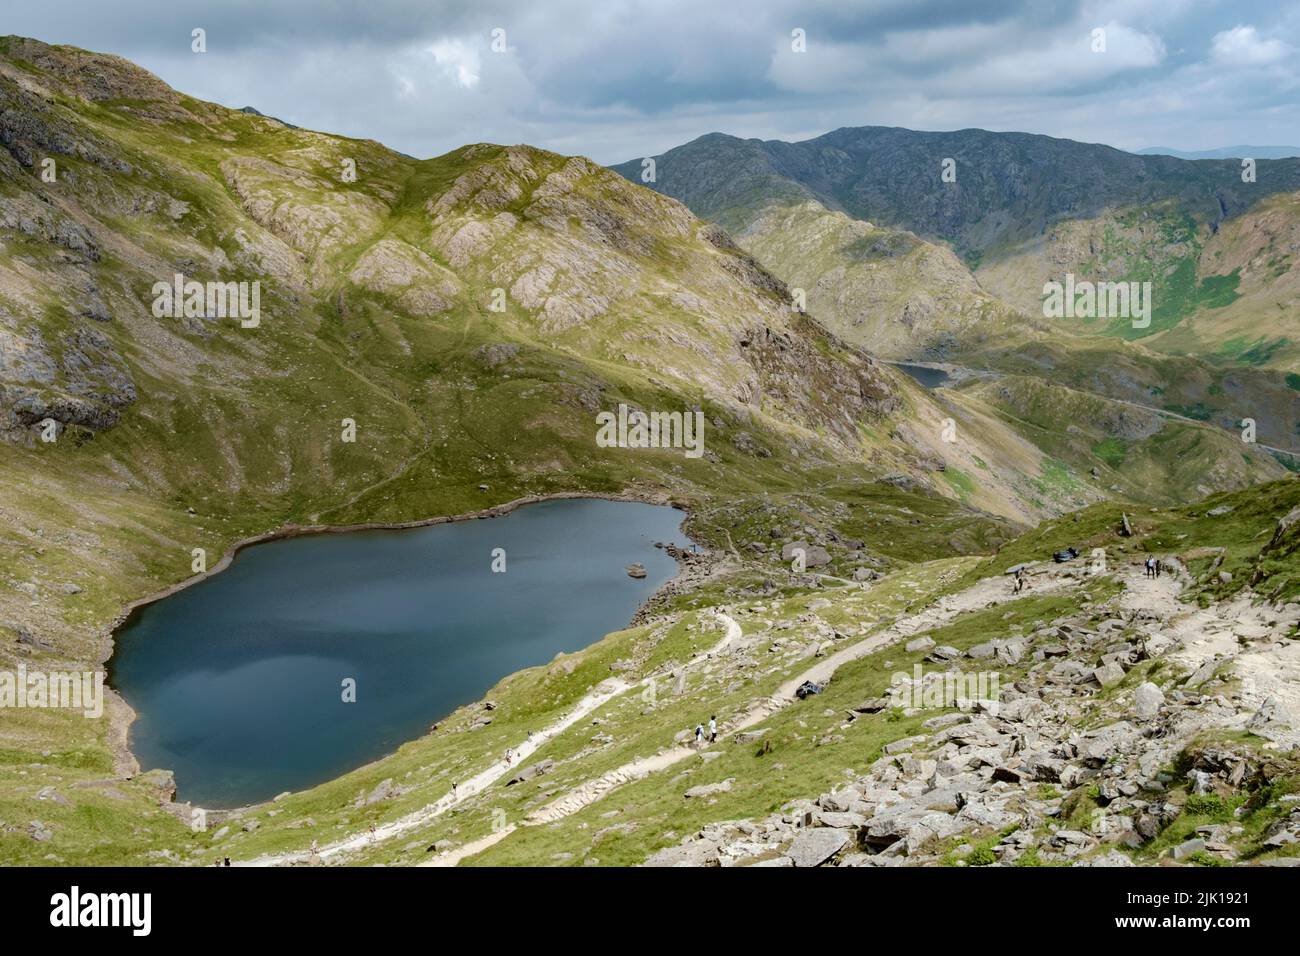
(1020, 580)
(699, 735)
(509, 756)
(372, 833)
(1157, 567)
(1151, 567)
(315, 850)
(713, 729)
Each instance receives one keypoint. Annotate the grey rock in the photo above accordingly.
(1186, 849)
(905, 743)
(873, 706)
(1097, 746)
(383, 791)
(690, 854)
(1108, 675)
(709, 789)
(1271, 713)
(1111, 857)
(815, 847)
(1147, 700)
(39, 832)
(814, 556)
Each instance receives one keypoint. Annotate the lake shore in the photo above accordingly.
(122, 715)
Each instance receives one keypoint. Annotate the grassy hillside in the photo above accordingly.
(469, 314)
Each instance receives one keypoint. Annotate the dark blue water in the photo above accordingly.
(237, 681)
(929, 377)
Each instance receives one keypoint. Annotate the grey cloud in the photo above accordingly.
(625, 78)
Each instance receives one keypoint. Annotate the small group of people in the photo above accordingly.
(1153, 568)
(712, 735)
(1020, 580)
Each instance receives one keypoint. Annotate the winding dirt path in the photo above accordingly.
(603, 694)
(599, 697)
(984, 593)
(1202, 636)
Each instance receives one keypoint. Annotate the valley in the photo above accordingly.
(447, 337)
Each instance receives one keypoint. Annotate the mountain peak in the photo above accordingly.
(95, 77)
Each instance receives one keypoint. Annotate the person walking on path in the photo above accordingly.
(1158, 568)
(713, 729)
(699, 735)
(1151, 567)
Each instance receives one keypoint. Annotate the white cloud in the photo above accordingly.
(627, 78)
(459, 60)
(1243, 46)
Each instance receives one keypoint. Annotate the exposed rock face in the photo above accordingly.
(89, 385)
(545, 247)
(273, 195)
(420, 285)
(31, 131)
(31, 218)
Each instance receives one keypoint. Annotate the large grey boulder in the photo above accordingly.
(813, 555)
(690, 854)
(1186, 849)
(1097, 746)
(1271, 713)
(1147, 700)
(1108, 675)
(709, 789)
(815, 847)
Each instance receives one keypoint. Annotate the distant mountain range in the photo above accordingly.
(1004, 188)
(1018, 210)
(1224, 152)
(911, 264)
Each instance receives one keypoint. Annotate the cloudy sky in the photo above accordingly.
(619, 79)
